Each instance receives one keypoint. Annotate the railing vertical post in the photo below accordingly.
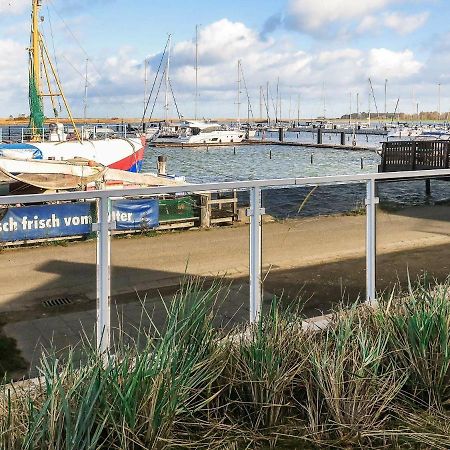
(255, 213)
(103, 277)
(371, 230)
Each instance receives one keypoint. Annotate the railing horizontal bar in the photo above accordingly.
(220, 186)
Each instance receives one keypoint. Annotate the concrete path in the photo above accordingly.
(130, 321)
(31, 275)
(321, 257)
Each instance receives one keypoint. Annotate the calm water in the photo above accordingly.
(254, 162)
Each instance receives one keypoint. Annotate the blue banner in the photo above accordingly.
(28, 223)
(45, 221)
(135, 214)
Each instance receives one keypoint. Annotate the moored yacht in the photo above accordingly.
(198, 132)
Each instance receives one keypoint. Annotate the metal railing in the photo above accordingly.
(255, 212)
(89, 131)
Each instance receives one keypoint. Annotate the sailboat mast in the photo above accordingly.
(38, 54)
(324, 100)
(35, 46)
(260, 102)
(290, 107)
(34, 76)
(145, 84)
(196, 71)
(357, 106)
(166, 95)
(276, 101)
(439, 101)
(279, 109)
(239, 94)
(350, 110)
(85, 90)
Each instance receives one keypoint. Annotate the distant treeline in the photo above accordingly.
(423, 115)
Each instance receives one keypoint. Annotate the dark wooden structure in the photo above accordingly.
(397, 156)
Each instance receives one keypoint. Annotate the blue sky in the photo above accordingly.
(317, 49)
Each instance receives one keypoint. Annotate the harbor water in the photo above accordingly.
(252, 162)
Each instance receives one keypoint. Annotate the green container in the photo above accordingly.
(177, 209)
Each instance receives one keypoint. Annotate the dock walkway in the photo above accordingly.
(263, 142)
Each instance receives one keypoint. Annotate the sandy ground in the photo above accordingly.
(320, 258)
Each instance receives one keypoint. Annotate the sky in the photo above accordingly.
(320, 54)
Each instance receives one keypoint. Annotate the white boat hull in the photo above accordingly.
(117, 153)
(216, 137)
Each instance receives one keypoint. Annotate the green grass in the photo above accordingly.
(371, 379)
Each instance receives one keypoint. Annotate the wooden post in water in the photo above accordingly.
(342, 138)
(162, 165)
(281, 134)
(319, 136)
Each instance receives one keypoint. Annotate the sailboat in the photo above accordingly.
(192, 132)
(57, 144)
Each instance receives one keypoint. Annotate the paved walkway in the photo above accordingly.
(322, 257)
(62, 332)
(31, 275)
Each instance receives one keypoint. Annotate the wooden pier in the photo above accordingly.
(346, 130)
(397, 156)
(262, 142)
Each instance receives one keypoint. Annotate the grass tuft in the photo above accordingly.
(373, 378)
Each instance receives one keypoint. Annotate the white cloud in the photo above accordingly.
(118, 86)
(384, 63)
(403, 23)
(13, 6)
(221, 44)
(12, 63)
(13, 77)
(314, 16)
(368, 23)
